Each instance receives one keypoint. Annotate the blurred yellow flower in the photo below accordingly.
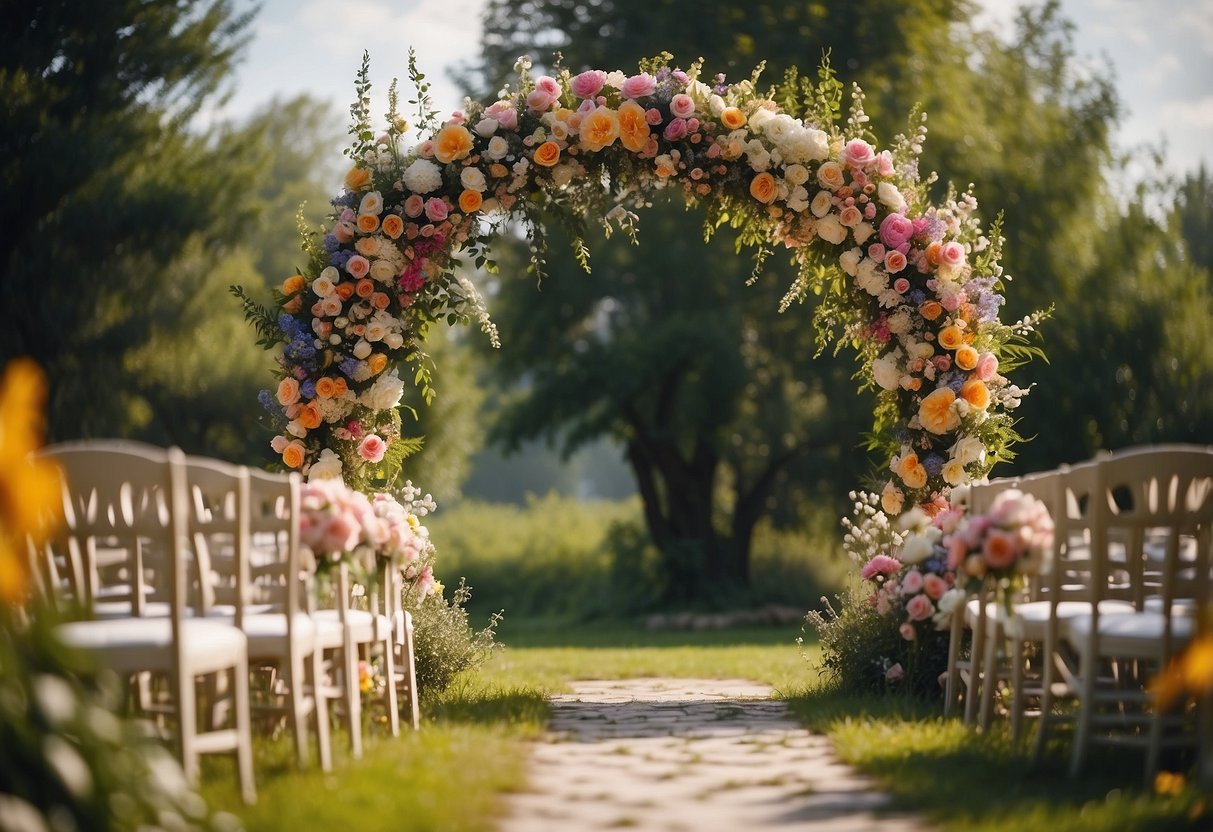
(30, 497)
(1189, 674)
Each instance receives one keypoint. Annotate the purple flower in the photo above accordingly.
(934, 464)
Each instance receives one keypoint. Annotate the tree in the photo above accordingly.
(105, 184)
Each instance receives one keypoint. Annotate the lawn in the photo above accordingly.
(454, 773)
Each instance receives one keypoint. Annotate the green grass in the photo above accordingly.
(455, 773)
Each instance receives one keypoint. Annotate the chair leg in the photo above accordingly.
(244, 732)
(976, 656)
(353, 698)
(297, 708)
(187, 726)
(410, 672)
(989, 675)
(1017, 694)
(953, 677)
(389, 689)
(320, 704)
(1084, 718)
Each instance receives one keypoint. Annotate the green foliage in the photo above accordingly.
(445, 644)
(859, 646)
(68, 760)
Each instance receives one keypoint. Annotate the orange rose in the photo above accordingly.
(976, 394)
(368, 223)
(364, 288)
(951, 337)
(345, 290)
(633, 129)
(309, 417)
(763, 188)
(393, 226)
(966, 357)
(292, 284)
(936, 412)
(452, 142)
(293, 454)
(915, 477)
(904, 463)
(498, 171)
(325, 387)
(379, 300)
(547, 154)
(470, 200)
(288, 391)
(377, 362)
(930, 309)
(932, 252)
(294, 305)
(599, 128)
(732, 118)
(357, 179)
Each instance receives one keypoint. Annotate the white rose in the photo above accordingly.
(472, 178)
(327, 467)
(779, 128)
(871, 276)
(422, 177)
(331, 274)
(760, 117)
(361, 350)
(954, 472)
(384, 394)
(849, 260)
(820, 206)
(758, 157)
(374, 331)
(372, 203)
(890, 196)
(899, 322)
(497, 149)
(383, 270)
(798, 199)
(968, 449)
(562, 175)
(394, 340)
(886, 372)
(716, 105)
(323, 287)
(863, 232)
(486, 127)
(796, 174)
(831, 230)
(917, 547)
(295, 429)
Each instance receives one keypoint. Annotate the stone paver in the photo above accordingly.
(676, 755)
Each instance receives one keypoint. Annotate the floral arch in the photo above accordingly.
(913, 287)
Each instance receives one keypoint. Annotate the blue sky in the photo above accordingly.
(1161, 53)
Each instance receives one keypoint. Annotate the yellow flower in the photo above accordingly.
(732, 118)
(452, 142)
(966, 357)
(915, 477)
(547, 154)
(975, 392)
(599, 129)
(357, 179)
(763, 188)
(293, 454)
(30, 488)
(936, 412)
(951, 337)
(470, 201)
(633, 129)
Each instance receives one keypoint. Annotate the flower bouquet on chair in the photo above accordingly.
(1009, 542)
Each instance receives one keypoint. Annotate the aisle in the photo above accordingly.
(707, 755)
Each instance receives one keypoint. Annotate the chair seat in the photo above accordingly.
(133, 644)
(364, 626)
(1180, 607)
(1033, 616)
(1135, 635)
(159, 609)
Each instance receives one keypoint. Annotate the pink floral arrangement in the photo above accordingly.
(1011, 540)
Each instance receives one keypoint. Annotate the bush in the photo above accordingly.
(444, 644)
(860, 648)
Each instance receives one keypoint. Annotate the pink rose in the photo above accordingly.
(505, 114)
(414, 205)
(372, 448)
(896, 230)
(540, 101)
(987, 366)
(436, 209)
(587, 84)
(850, 216)
(907, 631)
(894, 674)
(958, 549)
(911, 584)
(952, 253)
(549, 85)
(876, 251)
(279, 443)
(901, 285)
(343, 231)
(1001, 549)
(884, 163)
(682, 106)
(652, 116)
(858, 153)
(358, 266)
(339, 534)
(934, 586)
(920, 608)
(675, 130)
(638, 86)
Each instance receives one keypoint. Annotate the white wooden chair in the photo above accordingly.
(134, 497)
(1163, 493)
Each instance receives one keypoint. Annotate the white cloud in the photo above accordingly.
(1194, 115)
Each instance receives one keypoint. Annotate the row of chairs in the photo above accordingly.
(185, 576)
(1128, 586)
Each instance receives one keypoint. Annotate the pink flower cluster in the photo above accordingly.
(1014, 538)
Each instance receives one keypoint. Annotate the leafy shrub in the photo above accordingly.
(444, 643)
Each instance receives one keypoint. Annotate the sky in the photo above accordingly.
(1161, 53)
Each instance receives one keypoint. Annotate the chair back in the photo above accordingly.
(119, 507)
(125, 513)
(273, 567)
(219, 531)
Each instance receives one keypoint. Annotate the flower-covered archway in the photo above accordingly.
(912, 286)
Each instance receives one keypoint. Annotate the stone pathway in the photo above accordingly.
(701, 755)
